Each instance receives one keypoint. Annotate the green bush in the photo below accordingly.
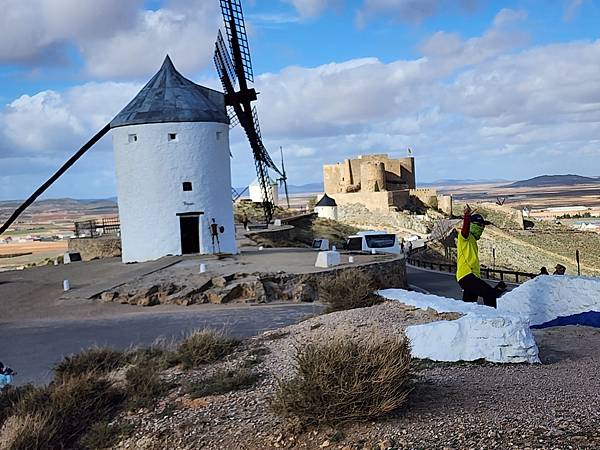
(348, 289)
(203, 347)
(342, 380)
(222, 382)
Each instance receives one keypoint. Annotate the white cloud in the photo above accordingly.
(572, 8)
(312, 8)
(498, 109)
(56, 124)
(185, 30)
(409, 11)
(116, 38)
(39, 31)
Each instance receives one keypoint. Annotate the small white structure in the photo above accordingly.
(327, 208)
(256, 194)
(171, 148)
(328, 259)
(481, 333)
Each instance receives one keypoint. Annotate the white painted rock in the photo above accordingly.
(328, 259)
(546, 298)
(482, 332)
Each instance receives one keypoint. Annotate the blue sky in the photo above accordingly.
(479, 89)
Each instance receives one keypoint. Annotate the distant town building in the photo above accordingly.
(380, 183)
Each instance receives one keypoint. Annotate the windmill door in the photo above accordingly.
(190, 234)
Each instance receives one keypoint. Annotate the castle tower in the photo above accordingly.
(372, 176)
(172, 160)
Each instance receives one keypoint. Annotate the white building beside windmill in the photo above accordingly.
(327, 208)
(256, 193)
(171, 147)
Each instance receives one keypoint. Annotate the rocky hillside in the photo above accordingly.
(394, 222)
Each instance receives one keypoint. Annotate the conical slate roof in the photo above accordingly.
(170, 97)
(326, 200)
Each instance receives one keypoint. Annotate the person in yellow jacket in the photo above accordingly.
(468, 272)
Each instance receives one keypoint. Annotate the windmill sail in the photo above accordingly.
(236, 31)
(234, 66)
(66, 166)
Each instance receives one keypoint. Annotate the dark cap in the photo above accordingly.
(479, 220)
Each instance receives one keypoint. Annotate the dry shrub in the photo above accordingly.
(204, 347)
(58, 415)
(99, 360)
(222, 382)
(105, 435)
(28, 432)
(144, 385)
(343, 380)
(11, 396)
(348, 289)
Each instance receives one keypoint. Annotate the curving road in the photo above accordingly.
(34, 347)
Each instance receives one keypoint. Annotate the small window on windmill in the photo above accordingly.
(132, 138)
(219, 133)
(172, 137)
(187, 186)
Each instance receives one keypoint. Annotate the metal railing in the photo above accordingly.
(97, 227)
(511, 276)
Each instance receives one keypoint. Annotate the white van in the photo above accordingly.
(367, 241)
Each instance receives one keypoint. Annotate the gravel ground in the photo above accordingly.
(554, 405)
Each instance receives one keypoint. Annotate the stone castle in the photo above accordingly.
(380, 183)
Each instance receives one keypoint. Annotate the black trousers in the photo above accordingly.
(474, 287)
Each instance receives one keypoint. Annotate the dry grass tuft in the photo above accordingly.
(144, 385)
(98, 360)
(343, 381)
(223, 382)
(204, 347)
(58, 415)
(348, 289)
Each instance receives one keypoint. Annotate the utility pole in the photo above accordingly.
(578, 263)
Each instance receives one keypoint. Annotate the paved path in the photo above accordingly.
(33, 348)
(437, 283)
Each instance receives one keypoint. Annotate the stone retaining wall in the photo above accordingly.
(254, 288)
(104, 247)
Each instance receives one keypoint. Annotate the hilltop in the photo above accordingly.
(554, 180)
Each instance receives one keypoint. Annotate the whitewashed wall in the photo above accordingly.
(256, 194)
(327, 212)
(150, 176)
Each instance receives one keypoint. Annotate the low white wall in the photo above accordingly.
(548, 297)
(482, 332)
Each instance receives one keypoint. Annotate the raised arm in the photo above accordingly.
(466, 227)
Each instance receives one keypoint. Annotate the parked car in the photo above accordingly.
(367, 241)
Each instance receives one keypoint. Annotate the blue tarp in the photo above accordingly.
(590, 319)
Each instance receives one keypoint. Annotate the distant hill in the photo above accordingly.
(454, 182)
(304, 188)
(554, 180)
